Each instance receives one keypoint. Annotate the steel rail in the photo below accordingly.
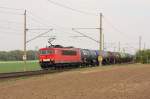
(28, 73)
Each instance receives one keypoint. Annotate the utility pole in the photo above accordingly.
(114, 49)
(25, 30)
(140, 53)
(144, 46)
(103, 42)
(119, 46)
(124, 51)
(140, 40)
(100, 59)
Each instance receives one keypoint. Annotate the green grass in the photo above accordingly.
(16, 66)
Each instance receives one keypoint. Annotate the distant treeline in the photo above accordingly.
(143, 56)
(16, 55)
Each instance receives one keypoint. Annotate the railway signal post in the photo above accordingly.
(100, 58)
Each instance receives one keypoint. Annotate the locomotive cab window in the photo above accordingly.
(50, 51)
(46, 52)
(69, 52)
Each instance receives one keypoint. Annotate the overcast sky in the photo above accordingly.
(124, 21)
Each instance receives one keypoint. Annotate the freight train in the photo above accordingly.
(57, 56)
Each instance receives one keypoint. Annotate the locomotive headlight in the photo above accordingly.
(46, 60)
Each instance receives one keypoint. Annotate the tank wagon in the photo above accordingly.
(88, 57)
(59, 56)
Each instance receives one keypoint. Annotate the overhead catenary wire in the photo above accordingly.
(70, 8)
(123, 34)
(8, 28)
(43, 22)
(36, 19)
(12, 13)
(39, 36)
(38, 29)
(10, 21)
(77, 36)
(86, 28)
(85, 35)
(114, 27)
(10, 8)
(10, 33)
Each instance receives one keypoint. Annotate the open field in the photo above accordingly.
(14, 66)
(114, 82)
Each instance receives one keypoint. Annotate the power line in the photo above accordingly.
(8, 28)
(115, 28)
(36, 19)
(39, 36)
(10, 33)
(38, 28)
(73, 9)
(86, 28)
(11, 22)
(77, 36)
(10, 8)
(12, 13)
(85, 35)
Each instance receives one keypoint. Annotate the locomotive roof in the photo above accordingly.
(65, 48)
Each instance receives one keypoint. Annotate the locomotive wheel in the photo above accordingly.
(45, 66)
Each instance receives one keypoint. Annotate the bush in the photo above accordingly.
(143, 56)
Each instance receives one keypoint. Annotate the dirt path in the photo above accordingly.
(119, 82)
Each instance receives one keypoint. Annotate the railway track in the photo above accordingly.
(32, 73)
(27, 73)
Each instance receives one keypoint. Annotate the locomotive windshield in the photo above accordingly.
(46, 52)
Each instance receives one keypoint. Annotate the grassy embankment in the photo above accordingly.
(16, 66)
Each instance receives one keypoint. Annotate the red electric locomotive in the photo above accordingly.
(56, 57)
